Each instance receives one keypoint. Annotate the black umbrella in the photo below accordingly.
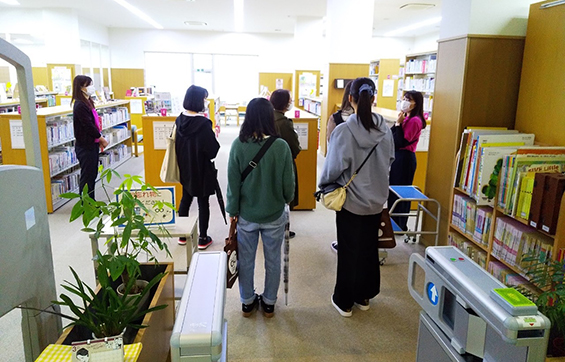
(221, 200)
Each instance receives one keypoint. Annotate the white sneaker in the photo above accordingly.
(344, 313)
(334, 246)
(363, 306)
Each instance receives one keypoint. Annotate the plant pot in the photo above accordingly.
(156, 337)
(129, 299)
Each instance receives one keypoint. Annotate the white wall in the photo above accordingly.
(425, 43)
(488, 17)
(93, 32)
(276, 52)
(389, 48)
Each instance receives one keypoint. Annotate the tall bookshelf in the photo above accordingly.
(60, 167)
(419, 75)
(385, 74)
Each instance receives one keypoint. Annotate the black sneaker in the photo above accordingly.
(204, 242)
(247, 309)
(291, 234)
(268, 309)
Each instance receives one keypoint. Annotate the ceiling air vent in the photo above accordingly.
(417, 6)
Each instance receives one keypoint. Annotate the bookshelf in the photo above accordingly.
(385, 74)
(56, 136)
(419, 75)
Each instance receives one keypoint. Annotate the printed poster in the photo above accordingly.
(148, 198)
(388, 87)
(302, 131)
(17, 134)
(161, 130)
(136, 106)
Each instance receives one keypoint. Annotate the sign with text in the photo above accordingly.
(149, 198)
(161, 131)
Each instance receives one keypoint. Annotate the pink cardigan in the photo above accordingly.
(412, 128)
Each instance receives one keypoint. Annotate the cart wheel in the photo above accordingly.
(382, 261)
(406, 239)
(414, 239)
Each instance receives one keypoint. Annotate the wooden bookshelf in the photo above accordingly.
(385, 70)
(15, 154)
(419, 75)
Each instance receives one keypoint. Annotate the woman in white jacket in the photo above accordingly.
(358, 273)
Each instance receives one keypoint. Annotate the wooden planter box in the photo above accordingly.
(155, 339)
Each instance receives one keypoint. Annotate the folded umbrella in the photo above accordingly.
(221, 200)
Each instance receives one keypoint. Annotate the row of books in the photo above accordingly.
(116, 154)
(421, 65)
(61, 158)
(113, 116)
(518, 175)
(509, 277)
(64, 183)
(419, 84)
(428, 104)
(471, 250)
(474, 220)
(116, 134)
(513, 240)
(60, 130)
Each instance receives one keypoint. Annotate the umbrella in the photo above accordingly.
(286, 253)
(221, 200)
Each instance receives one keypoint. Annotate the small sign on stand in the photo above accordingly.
(149, 198)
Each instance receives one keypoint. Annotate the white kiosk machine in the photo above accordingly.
(200, 332)
(468, 315)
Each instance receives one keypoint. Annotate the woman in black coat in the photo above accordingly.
(196, 146)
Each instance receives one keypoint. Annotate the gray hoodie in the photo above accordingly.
(349, 144)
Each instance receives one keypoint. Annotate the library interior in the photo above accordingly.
(469, 262)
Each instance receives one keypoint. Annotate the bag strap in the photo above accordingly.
(359, 168)
(253, 163)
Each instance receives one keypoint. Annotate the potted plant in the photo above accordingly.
(548, 275)
(114, 307)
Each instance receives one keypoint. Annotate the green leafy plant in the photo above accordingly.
(121, 207)
(549, 276)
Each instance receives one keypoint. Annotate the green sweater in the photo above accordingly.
(262, 196)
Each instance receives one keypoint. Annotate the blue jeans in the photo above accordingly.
(272, 235)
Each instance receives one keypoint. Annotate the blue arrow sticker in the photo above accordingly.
(433, 295)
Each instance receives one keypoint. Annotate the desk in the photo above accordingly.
(184, 226)
(62, 353)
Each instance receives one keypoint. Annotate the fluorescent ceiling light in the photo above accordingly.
(238, 15)
(10, 2)
(137, 12)
(414, 26)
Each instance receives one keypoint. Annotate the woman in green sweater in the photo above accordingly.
(258, 202)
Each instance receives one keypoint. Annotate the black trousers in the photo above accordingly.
(358, 268)
(203, 210)
(88, 160)
(401, 174)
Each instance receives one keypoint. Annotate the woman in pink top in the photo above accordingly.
(406, 134)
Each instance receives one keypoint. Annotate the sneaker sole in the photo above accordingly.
(182, 243)
(202, 247)
(268, 315)
(342, 312)
(362, 307)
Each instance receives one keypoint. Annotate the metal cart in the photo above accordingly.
(414, 194)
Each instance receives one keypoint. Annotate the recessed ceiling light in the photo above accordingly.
(417, 6)
(196, 23)
(278, 29)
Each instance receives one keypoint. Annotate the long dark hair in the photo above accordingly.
(362, 92)
(259, 121)
(345, 100)
(194, 98)
(79, 82)
(279, 99)
(418, 109)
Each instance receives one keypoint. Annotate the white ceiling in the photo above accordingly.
(260, 16)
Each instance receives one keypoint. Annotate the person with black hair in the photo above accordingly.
(338, 118)
(257, 198)
(406, 132)
(196, 146)
(282, 102)
(87, 126)
(364, 136)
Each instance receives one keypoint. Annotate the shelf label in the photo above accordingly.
(17, 134)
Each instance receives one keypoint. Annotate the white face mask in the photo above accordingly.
(405, 106)
(90, 90)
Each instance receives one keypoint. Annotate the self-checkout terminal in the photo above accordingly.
(468, 315)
